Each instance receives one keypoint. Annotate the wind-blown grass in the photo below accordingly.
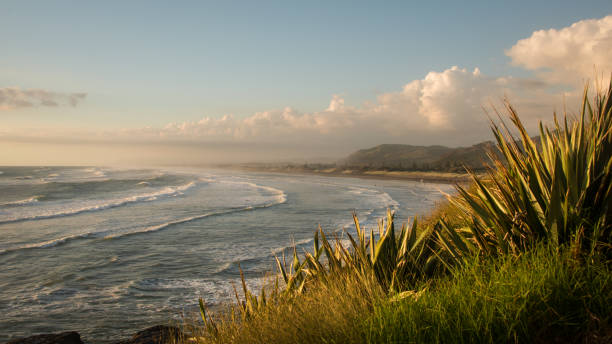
(522, 255)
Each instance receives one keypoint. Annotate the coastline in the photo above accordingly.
(419, 176)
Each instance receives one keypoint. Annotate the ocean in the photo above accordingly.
(109, 251)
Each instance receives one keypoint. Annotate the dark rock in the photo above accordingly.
(159, 334)
(50, 338)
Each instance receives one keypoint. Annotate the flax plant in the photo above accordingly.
(557, 189)
(387, 263)
(395, 260)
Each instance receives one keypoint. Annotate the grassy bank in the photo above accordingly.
(540, 296)
(522, 255)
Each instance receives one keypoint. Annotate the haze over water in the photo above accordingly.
(107, 251)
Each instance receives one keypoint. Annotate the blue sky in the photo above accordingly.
(147, 63)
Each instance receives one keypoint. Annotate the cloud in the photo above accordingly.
(568, 55)
(15, 98)
(442, 108)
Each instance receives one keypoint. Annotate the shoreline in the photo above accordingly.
(424, 177)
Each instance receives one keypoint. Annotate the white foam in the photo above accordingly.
(47, 243)
(261, 254)
(196, 217)
(280, 250)
(178, 283)
(98, 205)
(223, 267)
(158, 174)
(90, 174)
(117, 291)
(281, 197)
(212, 290)
(26, 201)
(389, 201)
(382, 196)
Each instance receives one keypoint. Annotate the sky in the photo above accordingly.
(151, 82)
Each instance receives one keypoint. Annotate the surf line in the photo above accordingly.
(109, 235)
(107, 204)
(197, 217)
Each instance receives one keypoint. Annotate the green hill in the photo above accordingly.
(407, 157)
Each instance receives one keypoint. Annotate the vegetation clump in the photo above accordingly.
(523, 255)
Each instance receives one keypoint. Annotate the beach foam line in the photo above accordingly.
(281, 196)
(390, 201)
(280, 193)
(280, 199)
(196, 217)
(26, 201)
(48, 243)
(107, 204)
(383, 196)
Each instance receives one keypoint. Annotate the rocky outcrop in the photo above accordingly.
(159, 334)
(50, 338)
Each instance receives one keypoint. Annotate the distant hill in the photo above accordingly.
(407, 157)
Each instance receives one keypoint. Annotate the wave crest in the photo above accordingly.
(101, 205)
(26, 201)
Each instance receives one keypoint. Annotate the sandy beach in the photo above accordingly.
(422, 176)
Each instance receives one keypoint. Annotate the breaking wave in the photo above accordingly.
(98, 205)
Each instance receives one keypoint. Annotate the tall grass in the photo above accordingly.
(537, 297)
(328, 312)
(467, 272)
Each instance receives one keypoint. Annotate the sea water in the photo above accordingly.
(107, 251)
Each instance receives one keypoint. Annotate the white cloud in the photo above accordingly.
(568, 55)
(15, 98)
(442, 108)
